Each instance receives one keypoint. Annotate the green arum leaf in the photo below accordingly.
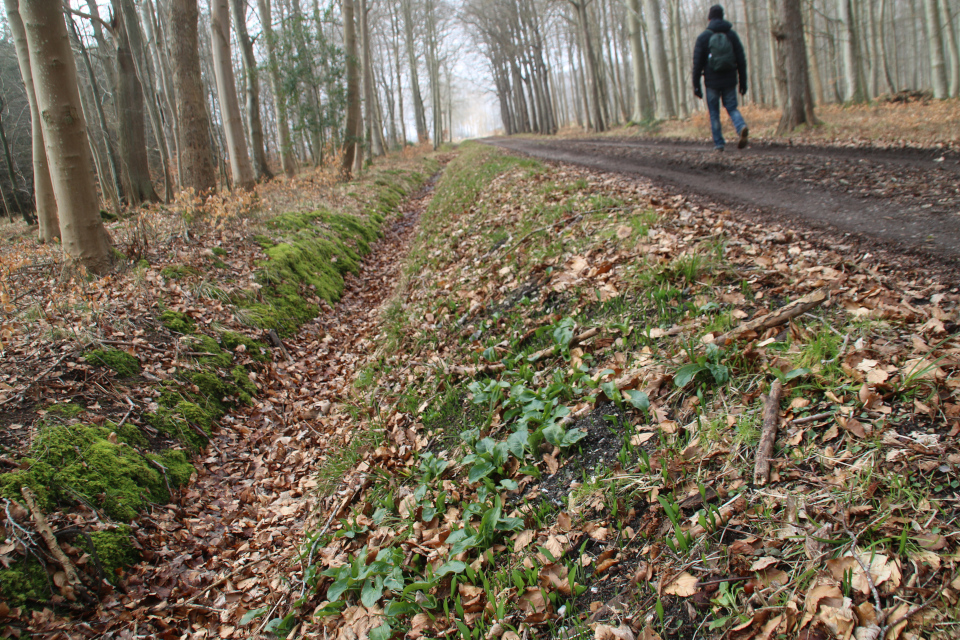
(572, 437)
(517, 441)
(638, 400)
(563, 333)
(383, 632)
(720, 373)
(490, 354)
(500, 454)
(610, 390)
(397, 608)
(795, 373)
(338, 588)
(554, 435)
(508, 485)
(470, 436)
(372, 591)
(453, 566)
(467, 543)
(253, 614)
(485, 446)
(510, 524)
(686, 373)
(480, 471)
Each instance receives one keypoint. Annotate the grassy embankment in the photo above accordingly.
(550, 426)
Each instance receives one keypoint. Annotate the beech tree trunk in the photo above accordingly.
(373, 146)
(85, 241)
(49, 222)
(197, 170)
(938, 65)
(796, 109)
(953, 48)
(352, 133)
(590, 63)
(642, 106)
(658, 56)
(852, 64)
(251, 90)
(240, 169)
(418, 110)
(287, 161)
(137, 184)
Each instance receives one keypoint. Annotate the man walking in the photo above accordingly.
(718, 57)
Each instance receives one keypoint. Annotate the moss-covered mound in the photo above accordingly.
(92, 464)
(308, 255)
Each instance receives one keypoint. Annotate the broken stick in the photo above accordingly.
(549, 351)
(774, 319)
(771, 420)
(43, 528)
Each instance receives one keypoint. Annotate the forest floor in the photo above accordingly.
(534, 412)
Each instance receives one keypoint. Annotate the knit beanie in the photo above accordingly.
(716, 13)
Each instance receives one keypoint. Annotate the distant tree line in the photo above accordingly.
(599, 63)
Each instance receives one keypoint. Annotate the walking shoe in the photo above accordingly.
(718, 149)
(743, 137)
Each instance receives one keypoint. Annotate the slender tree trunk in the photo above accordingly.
(85, 241)
(658, 58)
(150, 56)
(137, 183)
(251, 92)
(372, 145)
(418, 110)
(352, 133)
(109, 183)
(642, 107)
(46, 203)
(287, 161)
(24, 212)
(814, 60)
(950, 35)
(197, 170)
(853, 67)
(776, 72)
(240, 168)
(789, 32)
(590, 64)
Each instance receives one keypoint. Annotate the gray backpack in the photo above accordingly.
(721, 56)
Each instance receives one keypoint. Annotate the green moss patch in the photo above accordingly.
(178, 322)
(312, 251)
(254, 348)
(114, 549)
(178, 271)
(122, 362)
(24, 582)
(64, 410)
(67, 464)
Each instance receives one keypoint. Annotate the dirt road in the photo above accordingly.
(904, 201)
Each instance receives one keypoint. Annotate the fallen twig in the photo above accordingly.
(813, 418)
(776, 318)
(23, 391)
(771, 420)
(43, 528)
(127, 414)
(589, 333)
(278, 343)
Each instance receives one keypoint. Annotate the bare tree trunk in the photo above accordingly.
(418, 110)
(49, 223)
(789, 33)
(279, 99)
(197, 170)
(24, 213)
(85, 241)
(150, 56)
(658, 57)
(137, 184)
(240, 168)
(433, 66)
(590, 65)
(642, 107)
(812, 49)
(109, 184)
(950, 35)
(352, 133)
(853, 67)
(251, 90)
(372, 146)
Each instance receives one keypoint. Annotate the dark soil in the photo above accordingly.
(905, 203)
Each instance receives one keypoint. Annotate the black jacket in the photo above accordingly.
(724, 79)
